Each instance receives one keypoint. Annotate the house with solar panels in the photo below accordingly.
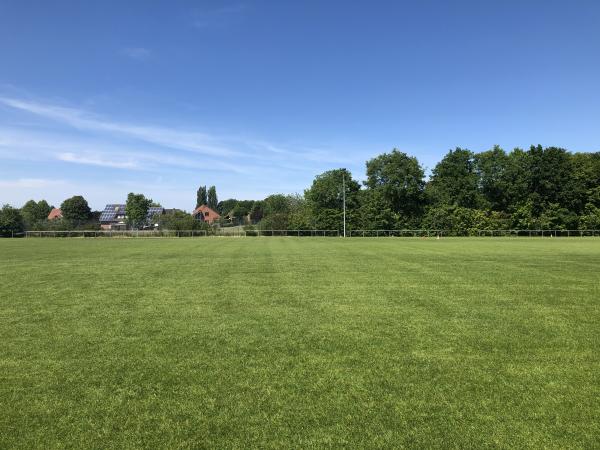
(154, 211)
(114, 217)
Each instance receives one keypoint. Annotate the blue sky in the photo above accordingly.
(105, 98)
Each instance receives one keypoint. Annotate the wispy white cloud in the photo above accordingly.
(30, 183)
(308, 154)
(34, 146)
(166, 175)
(242, 167)
(96, 160)
(184, 140)
(136, 53)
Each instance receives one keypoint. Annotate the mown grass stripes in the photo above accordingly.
(300, 342)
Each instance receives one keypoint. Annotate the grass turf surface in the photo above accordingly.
(286, 342)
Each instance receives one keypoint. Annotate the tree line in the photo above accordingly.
(34, 216)
(538, 188)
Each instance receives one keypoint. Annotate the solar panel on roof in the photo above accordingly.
(111, 211)
(153, 211)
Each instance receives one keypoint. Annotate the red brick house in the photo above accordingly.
(56, 213)
(206, 214)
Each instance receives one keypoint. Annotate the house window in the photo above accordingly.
(206, 214)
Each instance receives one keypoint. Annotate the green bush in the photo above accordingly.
(11, 221)
(179, 221)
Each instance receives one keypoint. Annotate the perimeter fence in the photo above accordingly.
(472, 233)
(302, 233)
(116, 234)
(227, 232)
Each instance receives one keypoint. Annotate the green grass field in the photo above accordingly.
(310, 342)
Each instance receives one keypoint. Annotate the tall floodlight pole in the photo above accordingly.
(344, 199)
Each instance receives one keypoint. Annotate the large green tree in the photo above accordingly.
(76, 210)
(399, 180)
(276, 204)
(212, 200)
(517, 180)
(325, 199)
(239, 213)
(257, 211)
(34, 212)
(586, 179)
(201, 196)
(11, 221)
(136, 209)
(375, 212)
(590, 219)
(300, 215)
(454, 180)
(224, 206)
(282, 212)
(550, 177)
(326, 190)
(492, 169)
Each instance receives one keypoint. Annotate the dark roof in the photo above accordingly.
(111, 211)
(154, 210)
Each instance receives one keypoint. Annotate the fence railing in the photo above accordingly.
(472, 233)
(11, 234)
(395, 233)
(116, 233)
(290, 233)
(301, 233)
(538, 233)
(178, 233)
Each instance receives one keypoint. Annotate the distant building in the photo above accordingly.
(55, 214)
(114, 217)
(206, 214)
